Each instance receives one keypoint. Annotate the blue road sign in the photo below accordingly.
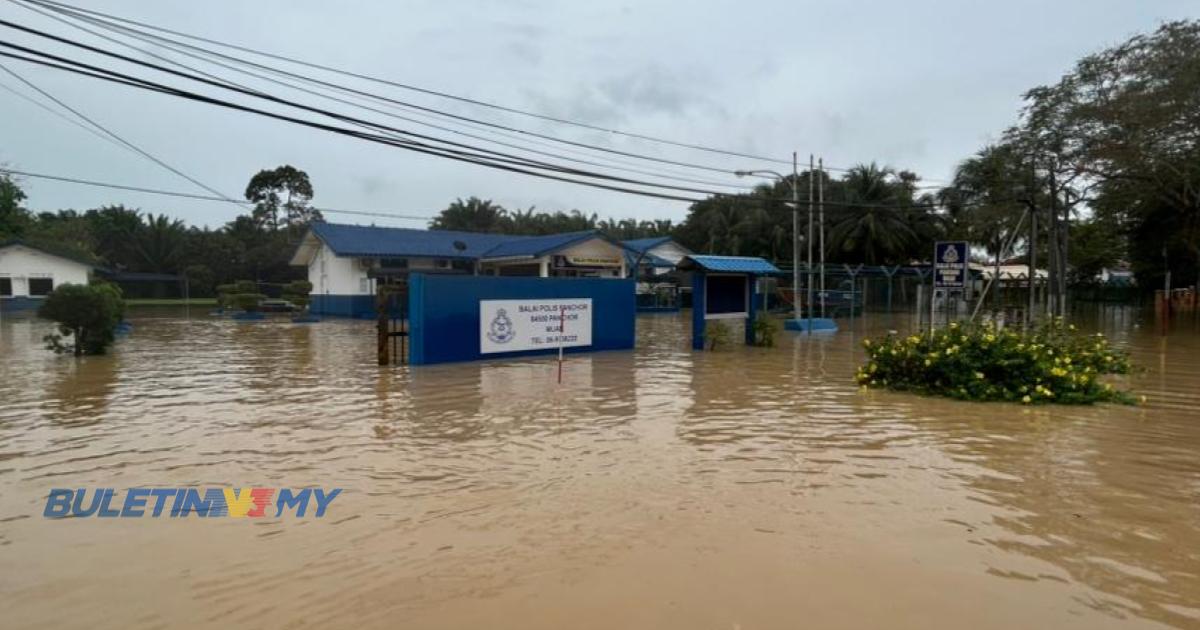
(950, 264)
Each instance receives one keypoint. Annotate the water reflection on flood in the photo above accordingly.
(653, 488)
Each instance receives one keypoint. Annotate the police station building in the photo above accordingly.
(344, 260)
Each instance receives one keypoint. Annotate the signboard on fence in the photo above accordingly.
(950, 264)
(516, 325)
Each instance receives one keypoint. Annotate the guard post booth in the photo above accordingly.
(724, 287)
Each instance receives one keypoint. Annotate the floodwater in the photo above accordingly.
(659, 488)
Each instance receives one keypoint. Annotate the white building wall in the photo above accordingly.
(19, 263)
(334, 275)
(671, 251)
(331, 274)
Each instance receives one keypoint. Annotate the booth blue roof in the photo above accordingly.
(729, 264)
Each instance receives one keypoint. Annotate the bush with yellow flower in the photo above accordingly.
(1052, 363)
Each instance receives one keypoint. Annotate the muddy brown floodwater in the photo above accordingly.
(659, 488)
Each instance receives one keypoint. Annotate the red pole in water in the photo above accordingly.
(562, 319)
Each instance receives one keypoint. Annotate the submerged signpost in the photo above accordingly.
(949, 274)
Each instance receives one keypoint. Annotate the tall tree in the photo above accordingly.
(14, 218)
(284, 190)
(1126, 122)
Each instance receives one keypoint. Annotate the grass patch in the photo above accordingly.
(171, 302)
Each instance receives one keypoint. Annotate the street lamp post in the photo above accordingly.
(795, 184)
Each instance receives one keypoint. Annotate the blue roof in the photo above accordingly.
(373, 241)
(729, 264)
(640, 245)
(631, 257)
(538, 245)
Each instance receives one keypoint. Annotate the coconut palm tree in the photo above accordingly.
(873, 228)
(472, 215)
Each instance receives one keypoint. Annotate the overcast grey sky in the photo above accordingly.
(916, 85)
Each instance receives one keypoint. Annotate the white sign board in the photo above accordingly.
(515, 325)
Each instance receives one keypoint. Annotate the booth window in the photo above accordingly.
(725, 296)
(5, 287)
(39, 287)
(462, 265)
(394, 263)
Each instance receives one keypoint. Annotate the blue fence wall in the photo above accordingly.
(444, 312)
(362, 306)
(21, 303)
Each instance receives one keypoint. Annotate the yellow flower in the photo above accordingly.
(979, 375)
(953, 324)
(928, 363)
(866, 343)
(1026, 399)
(871, 368)
(1142, 398)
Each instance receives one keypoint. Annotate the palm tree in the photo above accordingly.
(472, 215)
(876, 229)
(160, 243)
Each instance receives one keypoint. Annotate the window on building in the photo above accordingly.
(6, 287)
(40, 286)
(364, 285)
(463, 265)
(394, 263)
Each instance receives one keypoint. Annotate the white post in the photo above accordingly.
(809, 239)
(821, 210)
(795, 241)
(544, 268)
(562, 327)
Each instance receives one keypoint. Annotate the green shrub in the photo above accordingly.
(716, 334)
(89, 314)
(297, 292)
(243, 294)
(765, 329)
(1053, 363)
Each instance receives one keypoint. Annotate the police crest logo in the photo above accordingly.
(501, 329)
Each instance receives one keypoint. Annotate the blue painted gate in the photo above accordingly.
(444, 312)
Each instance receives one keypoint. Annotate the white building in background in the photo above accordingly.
(344, 260)
(29, 273)
(659, 255)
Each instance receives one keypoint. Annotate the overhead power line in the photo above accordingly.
(415, 88)
(471, 154)
(184, 195)
(123, 142)
(204, 55)
(461, 150)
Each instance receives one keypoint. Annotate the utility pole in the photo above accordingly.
(1052, 278)
(1033, 228)
(795, 239)
(1065, 228)
(821, 221)
(809, 240)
